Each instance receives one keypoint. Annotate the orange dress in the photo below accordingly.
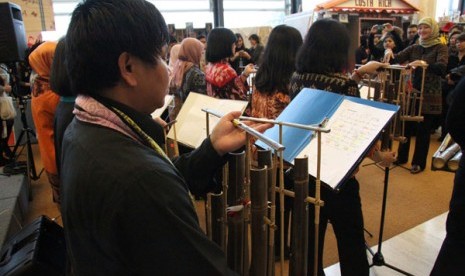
(43, 105)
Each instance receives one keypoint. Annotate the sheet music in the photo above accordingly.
(191, 128)
(159, 111)
(353, 128)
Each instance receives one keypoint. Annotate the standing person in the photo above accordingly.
(222, 80)
(256, 48)
(412, 35)
(391, 39)
(126, 207)
(6, 126)
(43, 105)
(455, 71)
(321, 61)
(450, 260)
(187, 75)
(59, 83)
(271, 93)
(241, 56)
(432, 52)
(362, 53)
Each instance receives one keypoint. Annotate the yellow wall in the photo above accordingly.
(32, 18)
(427, 7)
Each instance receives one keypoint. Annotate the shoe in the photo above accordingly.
(415, 169)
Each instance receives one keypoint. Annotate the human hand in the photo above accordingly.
(388, 55)
(226, 137)
(418, 63)
(160, 121)
(6, 88)
(384, 158)
(371, 67)
(388, 26)
(248, 69)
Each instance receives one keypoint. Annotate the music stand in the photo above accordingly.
(14, 166)
(378, 258)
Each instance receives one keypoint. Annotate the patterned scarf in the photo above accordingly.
(89, 110)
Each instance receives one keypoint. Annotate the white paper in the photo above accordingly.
(191, 127)
(353, 128)
(159, 111)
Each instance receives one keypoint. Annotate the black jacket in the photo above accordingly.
(127, 210)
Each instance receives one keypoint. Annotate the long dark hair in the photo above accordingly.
(325, 49)
(278, 62)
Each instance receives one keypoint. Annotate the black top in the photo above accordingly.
(127, 211)
(455, 121)
(337, 82)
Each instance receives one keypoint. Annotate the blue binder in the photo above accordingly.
(311, 107)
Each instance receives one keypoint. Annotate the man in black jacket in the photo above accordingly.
(126, 207)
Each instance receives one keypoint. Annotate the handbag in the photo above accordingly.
(7, 112)
(7, 109)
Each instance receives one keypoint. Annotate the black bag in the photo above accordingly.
(38, 249)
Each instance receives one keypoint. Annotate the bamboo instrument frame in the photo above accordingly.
(408, 106)
(278, 149)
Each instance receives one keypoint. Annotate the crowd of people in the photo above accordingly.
(91, 107)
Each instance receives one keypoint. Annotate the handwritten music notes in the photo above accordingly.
(354, 127)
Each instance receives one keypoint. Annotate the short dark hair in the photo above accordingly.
(278, 62)
(59, 80)
(325, 49)
(461, 37)
(412, 26)
(254, 37)
(219, 44)
(101, 30)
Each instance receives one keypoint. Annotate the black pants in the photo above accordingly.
(451, 258)
(423, 134)
(344, 210)
(5, 151)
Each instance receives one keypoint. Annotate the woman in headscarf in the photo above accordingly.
(43, 104)
(431, 52)
(187, 75)
(174, 52)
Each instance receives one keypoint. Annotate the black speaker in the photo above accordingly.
(38, 249)
(13, 42)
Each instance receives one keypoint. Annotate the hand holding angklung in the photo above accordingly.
(227, 137)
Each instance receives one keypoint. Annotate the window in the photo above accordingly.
(237, 13)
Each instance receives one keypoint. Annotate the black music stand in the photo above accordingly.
(378, 258)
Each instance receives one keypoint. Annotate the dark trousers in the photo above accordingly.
(344, 210)
(5, 151)
(423, 134)
(451, 258)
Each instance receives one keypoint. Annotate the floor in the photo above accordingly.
(413, 251)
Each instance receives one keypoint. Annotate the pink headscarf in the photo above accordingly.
(190, 54)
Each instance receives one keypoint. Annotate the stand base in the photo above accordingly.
(378, 260)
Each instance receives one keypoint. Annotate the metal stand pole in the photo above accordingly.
(378, 258)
